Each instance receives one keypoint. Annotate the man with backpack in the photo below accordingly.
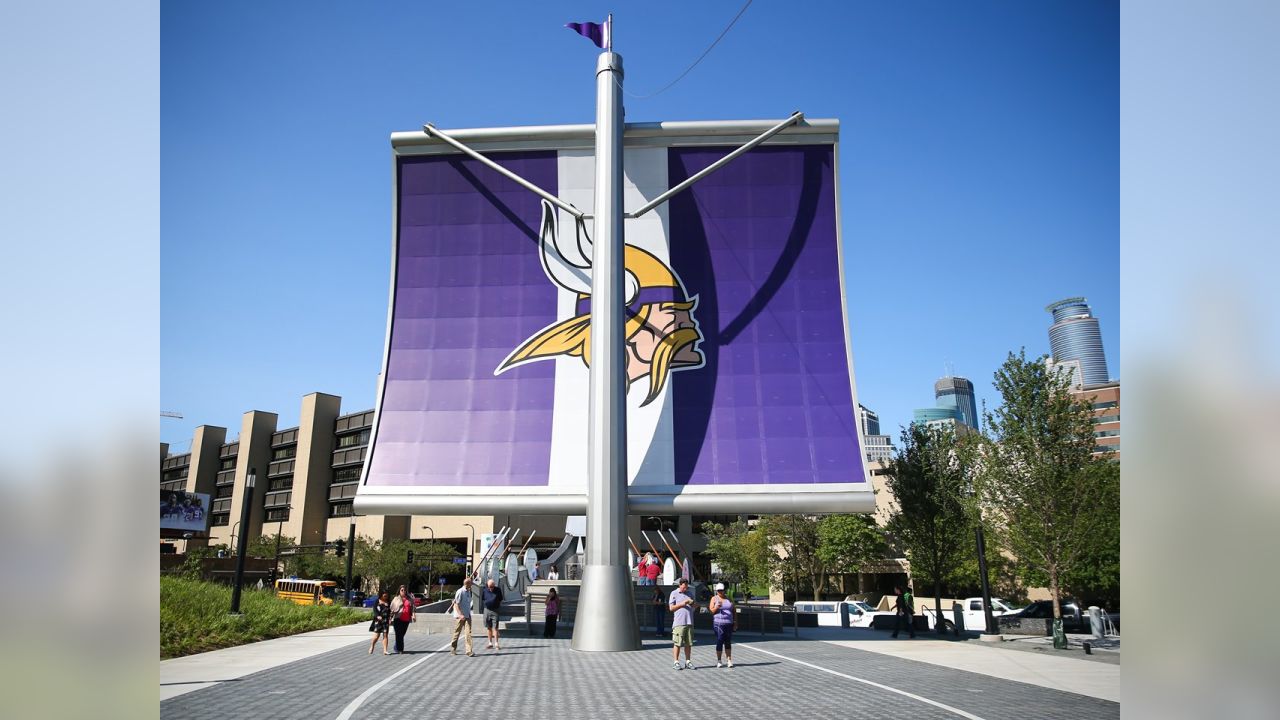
(905, 607)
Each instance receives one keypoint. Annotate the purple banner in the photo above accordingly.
(756, 241)
(468, 289)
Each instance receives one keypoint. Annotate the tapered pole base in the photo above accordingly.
(606, 617)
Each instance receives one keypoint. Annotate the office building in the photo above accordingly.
(1075, 335)
(868, 421)
(957, 392)
(939, 416)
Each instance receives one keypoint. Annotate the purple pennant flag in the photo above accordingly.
(597, 33)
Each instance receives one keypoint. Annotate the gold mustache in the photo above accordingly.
(667, 348)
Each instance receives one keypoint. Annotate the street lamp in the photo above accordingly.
(250, 481)
(186, 542)
(471, 549)
(429, 562)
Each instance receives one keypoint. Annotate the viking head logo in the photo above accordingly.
(661, 334)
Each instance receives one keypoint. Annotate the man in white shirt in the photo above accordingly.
(462, 617)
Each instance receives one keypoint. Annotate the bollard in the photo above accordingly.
(957, 613)
(1059, 635)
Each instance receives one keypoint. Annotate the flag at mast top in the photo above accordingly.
(599, 33)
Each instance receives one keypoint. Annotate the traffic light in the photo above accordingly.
(339, 547)
(409, 559)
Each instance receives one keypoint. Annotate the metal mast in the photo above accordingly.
(606, 620)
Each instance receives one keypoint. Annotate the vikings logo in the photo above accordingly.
(661, 334)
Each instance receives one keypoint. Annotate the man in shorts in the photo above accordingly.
(681, 604)
(491, 599)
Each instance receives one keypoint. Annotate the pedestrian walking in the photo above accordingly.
(491, 599)
(462, 617)
(724, 620)
(659, 602)
(402, 613)
(679, 603)
(904, 608)
(552, 613)
(381, 623)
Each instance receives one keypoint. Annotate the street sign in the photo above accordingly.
(460, 561)
(424, 568)
(441, 582)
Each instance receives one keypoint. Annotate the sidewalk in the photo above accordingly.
(1004, 660)
(193, 672)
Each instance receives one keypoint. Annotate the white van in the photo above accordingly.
(833, 613)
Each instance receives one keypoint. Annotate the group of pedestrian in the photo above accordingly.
(395, 614)
(648, 570)
(724, 621)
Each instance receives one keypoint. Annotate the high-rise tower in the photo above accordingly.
(1075, 335)
(957, 392)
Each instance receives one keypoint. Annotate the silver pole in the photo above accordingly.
(607, 619)
(430, 129)
(796, 117)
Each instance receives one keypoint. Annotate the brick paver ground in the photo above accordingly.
(537, 678)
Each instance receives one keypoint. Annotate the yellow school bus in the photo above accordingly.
(307, 592)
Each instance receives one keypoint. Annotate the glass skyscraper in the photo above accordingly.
(1075, 335)
(957, 392)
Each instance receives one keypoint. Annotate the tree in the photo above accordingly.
(798, 536)
(740, 552)
(388, 562)
(847, 543)
(1040, 476)
(929, 479)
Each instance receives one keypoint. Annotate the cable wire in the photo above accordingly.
(695, 62)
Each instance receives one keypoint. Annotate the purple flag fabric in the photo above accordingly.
(595, 32)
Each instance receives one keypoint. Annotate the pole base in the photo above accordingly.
(606, 616)
(991, 637)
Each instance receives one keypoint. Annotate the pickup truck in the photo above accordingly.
(974, 618)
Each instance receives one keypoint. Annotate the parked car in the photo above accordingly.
(1039, 614)
(862, 615)
(370, 602)
(419, 599)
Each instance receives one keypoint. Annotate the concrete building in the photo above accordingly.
(1105, 401)
(307, 476)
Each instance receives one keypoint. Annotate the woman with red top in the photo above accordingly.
(402, 613)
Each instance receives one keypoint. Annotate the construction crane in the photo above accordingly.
(170, 414)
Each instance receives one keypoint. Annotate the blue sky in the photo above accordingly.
(979, 168)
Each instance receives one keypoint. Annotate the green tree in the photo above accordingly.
(388, 563)
(1039, 475)
(797, 535)
(740, 551)
(847, 543)
(929, 479)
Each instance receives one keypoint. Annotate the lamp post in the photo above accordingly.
(429, 562)
(275, 568)
(351, 554)
(470, 548)
(244, 530)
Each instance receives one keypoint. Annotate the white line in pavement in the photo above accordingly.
(354, 705)
(872, 683)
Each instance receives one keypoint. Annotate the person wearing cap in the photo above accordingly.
(680, 603)
(724, 622)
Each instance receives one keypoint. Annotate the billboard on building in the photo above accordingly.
(741, 392)
(184, 511)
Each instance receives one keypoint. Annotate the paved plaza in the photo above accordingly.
(826, 673)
